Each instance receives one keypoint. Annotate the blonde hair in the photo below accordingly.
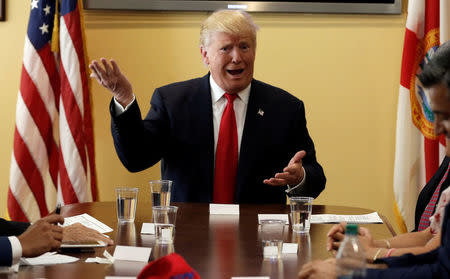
(236, 22)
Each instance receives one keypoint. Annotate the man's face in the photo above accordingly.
(230, 59)
(440, 105)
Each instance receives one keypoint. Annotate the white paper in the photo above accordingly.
(282, 217)
(131, 253)
(371, 218)
(224, 209)
(289, 248)
(48, 258)
(9, 269)
(148, 228)
(84, 245)
(120, 277)
(251, 277)
(98, 260)
(88, 221)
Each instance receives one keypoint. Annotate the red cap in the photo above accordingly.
(172, 266)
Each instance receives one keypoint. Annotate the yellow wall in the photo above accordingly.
(346, 68)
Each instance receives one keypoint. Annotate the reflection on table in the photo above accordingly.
(215, 246)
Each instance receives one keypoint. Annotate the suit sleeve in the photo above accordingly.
(9, 228)
(5, 252)
(140, 143)
(315, 177)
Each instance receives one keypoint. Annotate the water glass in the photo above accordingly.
(126, 204)
(161, 190)
(301, 209)
(164, 218)
(272, 238)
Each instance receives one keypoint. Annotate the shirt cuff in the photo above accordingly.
(119, 108)
(291, 188)
(16, 248)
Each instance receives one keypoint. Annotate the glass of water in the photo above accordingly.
(301, 209)
(161, 190)
(126, 204)
(272, 238)
(164, 218)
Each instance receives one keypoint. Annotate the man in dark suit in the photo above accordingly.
(225, 137)
(21, 239)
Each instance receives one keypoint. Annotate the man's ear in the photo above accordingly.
(204, 53)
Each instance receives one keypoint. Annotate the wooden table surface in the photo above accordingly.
(215, 246)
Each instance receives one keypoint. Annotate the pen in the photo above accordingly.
(58, 208)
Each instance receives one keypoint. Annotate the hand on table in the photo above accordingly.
(292, 174)
(318, 269)
(42, 236)
(77, 233)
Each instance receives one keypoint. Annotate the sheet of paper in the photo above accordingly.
(371, 218)
(48, 258)
(289, 248)
(251, 277)
(88, 221)
(120, 277)
(84, 245)
(283, 217)
(224, 209)
(148, 228)
(131, 253)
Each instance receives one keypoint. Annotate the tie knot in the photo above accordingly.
(230, 97)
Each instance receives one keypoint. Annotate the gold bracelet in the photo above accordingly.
(388, 244)
(376, 254)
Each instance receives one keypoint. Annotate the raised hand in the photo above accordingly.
(292, 174)
(112, 79)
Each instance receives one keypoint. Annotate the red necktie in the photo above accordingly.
(428, 212)
(226, 155)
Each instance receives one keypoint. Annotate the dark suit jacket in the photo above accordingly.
(179, 130)
(434, 264)
(428, 190)
(9, 228)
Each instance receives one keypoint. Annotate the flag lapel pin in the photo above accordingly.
(261, 112)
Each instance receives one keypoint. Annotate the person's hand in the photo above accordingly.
(335, 236)
(292, 174)
(43, 236)
(77, 233)
(112, 79)
(365, 238)
(318, 269)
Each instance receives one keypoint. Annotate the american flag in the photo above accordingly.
(419, 150)
(53, 153)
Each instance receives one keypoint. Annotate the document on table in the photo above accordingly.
(48, 258)
(88, 221)
(371, 218)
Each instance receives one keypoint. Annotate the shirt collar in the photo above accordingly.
(217, 92)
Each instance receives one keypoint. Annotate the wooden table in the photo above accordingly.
(215, 246)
